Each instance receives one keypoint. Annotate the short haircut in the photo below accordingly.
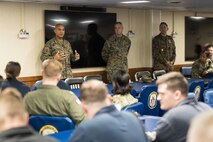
(163, 23)
(51, 67)
(201, 128)
(174, 81)
(202, 54)
(121, 82)
(59, 24)
(93, 91)
(209, 46)
(12, 70)
(118, 23)
(11, 105)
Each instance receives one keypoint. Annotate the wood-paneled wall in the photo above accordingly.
(32, 79)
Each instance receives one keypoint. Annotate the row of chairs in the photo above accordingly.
(155, 75)
(186, 71)
(76, 81)
(46, 125)
(62, 128)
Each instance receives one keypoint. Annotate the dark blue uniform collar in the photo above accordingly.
(107, 109)
(187, 101)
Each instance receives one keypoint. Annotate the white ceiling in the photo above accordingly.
(184, 5)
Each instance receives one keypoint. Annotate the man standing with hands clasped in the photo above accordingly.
(115, 51)
(60, 49)
(163, 50)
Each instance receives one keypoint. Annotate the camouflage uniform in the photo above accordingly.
(52, 47)
(163, 50)
(115, 53)
(198, 67)
(124, 100)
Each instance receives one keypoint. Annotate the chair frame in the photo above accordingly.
(139, 74)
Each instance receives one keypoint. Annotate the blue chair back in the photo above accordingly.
(50, 124)
(136, 108)
(208, 97)
(76, 91)
(186, 71)
(149, 122)
(197, 86)
(148, 96)
(61, 84)
(210, 84)
(63, 136)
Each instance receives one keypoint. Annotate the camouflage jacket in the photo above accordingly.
(115, 53)
(199, 67)
(52, 47)
(124, 100)
(163, 50)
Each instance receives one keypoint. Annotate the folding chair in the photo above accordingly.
(197, 86)
(74, 82)
(96, 77)
(139, 75)
(137, 108)
(148, 96)
(158, 73)
(186, 71)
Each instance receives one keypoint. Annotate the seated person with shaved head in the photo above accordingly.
(51, 100)
(14, 120)
(105, 122)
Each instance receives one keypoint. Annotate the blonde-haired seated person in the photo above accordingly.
(14, 120)
(48, 99)
(202, 66)
(122, 89)
(173, 96)
(201, 128)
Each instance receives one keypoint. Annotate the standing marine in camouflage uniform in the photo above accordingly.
(115, 51)
(202, 66)
(60, 49)
(163, 50)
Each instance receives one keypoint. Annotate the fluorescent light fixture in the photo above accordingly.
(50, 26)
(59, 20)
(87, 21)
(131, 2)
(197, 17)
